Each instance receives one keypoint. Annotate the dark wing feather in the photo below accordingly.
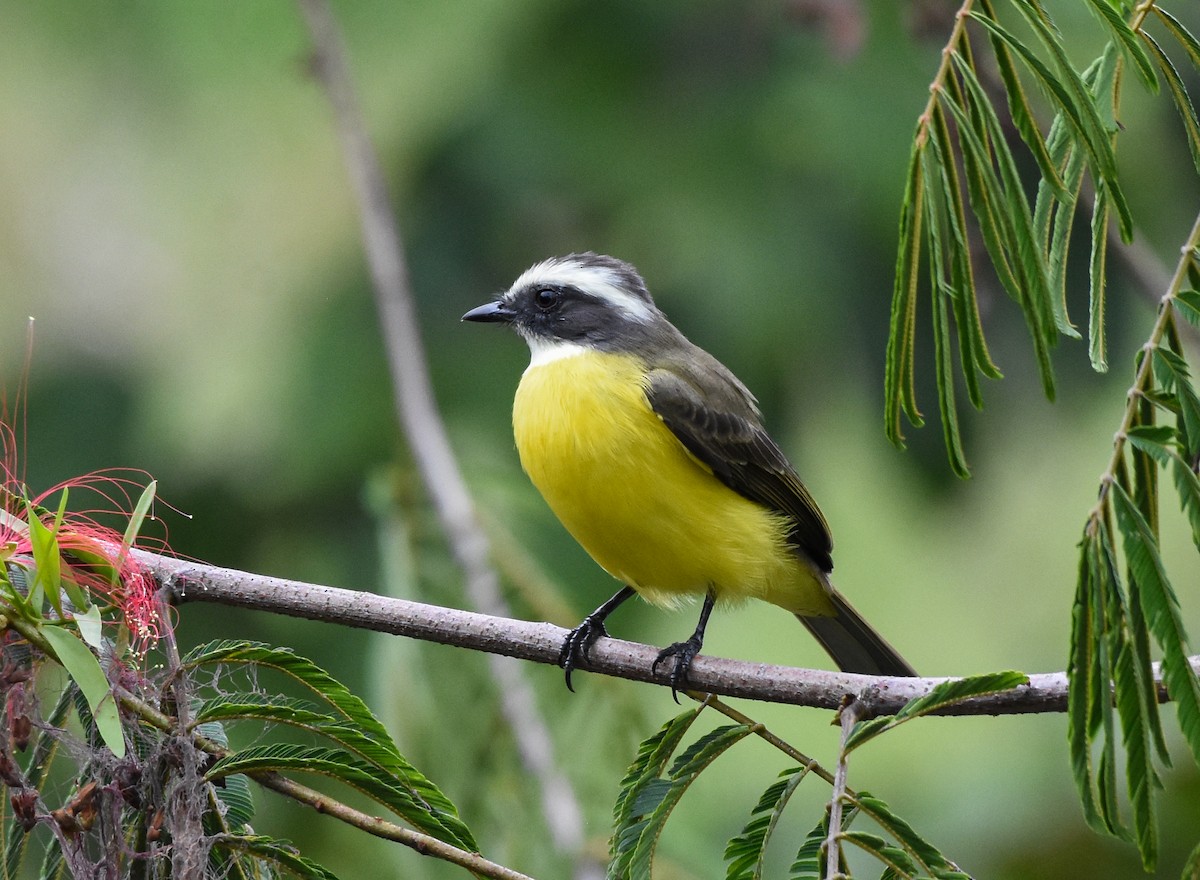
(722, 430)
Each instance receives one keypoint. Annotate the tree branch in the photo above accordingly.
(540, 642)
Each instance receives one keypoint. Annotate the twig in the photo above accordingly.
(851, 713)
(763, 733)
(425, 430)
(957, 34)
(540, 642)
(422, 843)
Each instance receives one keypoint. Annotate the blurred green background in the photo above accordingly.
(175, 214)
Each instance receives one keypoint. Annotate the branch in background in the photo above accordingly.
(540, 642)
(424, 429)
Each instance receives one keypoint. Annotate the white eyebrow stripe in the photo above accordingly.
(592, 280)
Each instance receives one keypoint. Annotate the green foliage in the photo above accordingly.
(1027, 245)
(665, 767)
(807, 864)
(369, 760)
(219, 681)
(939, 697)
(746, 852)
(645, 804)
(81, 664)
(43, 745)
(268, 850)
(925, 854)
(1191, 870)
(42, 578)
(343, 766)
(1117, 619)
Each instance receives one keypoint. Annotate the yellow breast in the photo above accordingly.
(629, 492)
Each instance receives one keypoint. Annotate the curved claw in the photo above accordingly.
(578, 644)
(684, 653)
(579, 641)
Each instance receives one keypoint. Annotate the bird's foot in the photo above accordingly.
(684, 653)
(578, 644)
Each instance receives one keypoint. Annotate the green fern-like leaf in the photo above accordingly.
(1141, 776)
(1074, 97)
(972, 344)
(392, 792)
(746, 852)
(1161, 608)
(1080, 695)
(1098, 283)
(279, 853)
(1158, 442)
(1020, 110)
(1171, 371)
(942, 349)
(236, 802)
(894, 858)
(274, 709)
(1180, 97)
(355, 726)
(1124, 36)
(807, 864)
(926, 854)
(645, 771)
(1023, 252)
(1003, 213)
(651, 814)
(939, 697)
(1106, 580)
(1187, 304)
(899, 388)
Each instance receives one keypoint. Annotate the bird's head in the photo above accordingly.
(580, 300)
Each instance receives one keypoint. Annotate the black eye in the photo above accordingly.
(547, 298)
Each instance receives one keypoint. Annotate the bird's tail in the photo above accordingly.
(853, 644)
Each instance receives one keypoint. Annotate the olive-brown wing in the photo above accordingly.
(741, 455)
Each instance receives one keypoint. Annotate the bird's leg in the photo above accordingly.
(580, 640)
(685, 652)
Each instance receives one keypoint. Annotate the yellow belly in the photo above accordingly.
(648, 512)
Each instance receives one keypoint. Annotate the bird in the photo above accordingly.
(653, 455)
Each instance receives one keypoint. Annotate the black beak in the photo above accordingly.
(491, 313)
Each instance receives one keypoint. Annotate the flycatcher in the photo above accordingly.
(653, 455)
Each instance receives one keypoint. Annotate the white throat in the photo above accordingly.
(544, 351)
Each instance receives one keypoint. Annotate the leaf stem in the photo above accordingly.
(1140, 13)
(851, 713)
(943, 71)
(761, 731)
